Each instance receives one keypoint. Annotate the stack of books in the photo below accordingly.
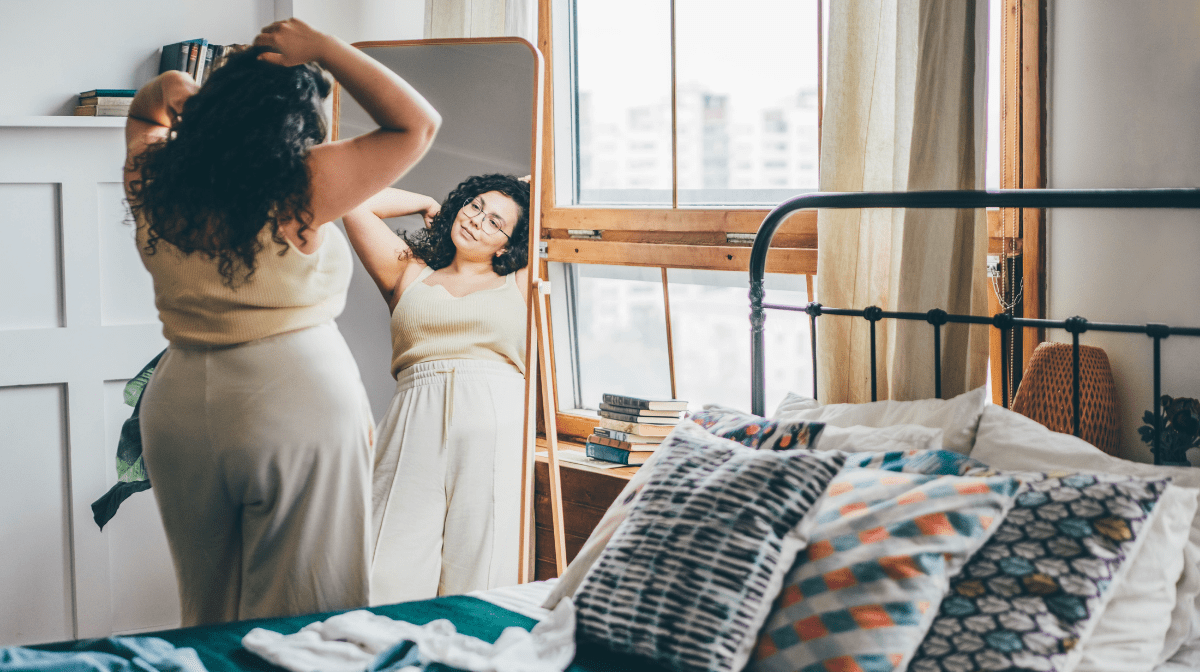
(632, 427)
(105, 103)
(195, 57)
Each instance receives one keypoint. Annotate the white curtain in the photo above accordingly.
(905, 110)
(481, 18)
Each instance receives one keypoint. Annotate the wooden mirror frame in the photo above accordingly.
(525, 561)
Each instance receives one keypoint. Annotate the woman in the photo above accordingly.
(255, 427)
(447, 467)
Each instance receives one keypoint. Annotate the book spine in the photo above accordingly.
(602, 452)
(604, 406)
(106, 100)
(208, 59)
(201, 59)
(620, 443)
(627, 402)
(645, 419)
(636, 428)
(609, 433)
(193, 54)
(166, 61)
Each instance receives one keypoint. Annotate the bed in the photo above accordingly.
(933, 535)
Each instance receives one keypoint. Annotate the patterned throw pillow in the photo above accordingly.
(756, 431)
(1029, 597)
(929, 462)
(689, 576)
(862, 595)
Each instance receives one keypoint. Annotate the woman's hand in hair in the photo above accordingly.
(292, 42)
(431, 210)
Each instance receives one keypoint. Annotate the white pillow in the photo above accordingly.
(1132, 628)
(957, 417)
(1008, 440)
(1183, 638)
(860, 439)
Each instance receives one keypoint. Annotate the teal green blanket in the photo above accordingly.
(220, 646)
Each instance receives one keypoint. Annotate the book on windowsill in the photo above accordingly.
(647, 404)
(646, 413)
(643, 428)
(630, 458)
(627, 437)
(623, 445)
(102, 111)
(648, 420)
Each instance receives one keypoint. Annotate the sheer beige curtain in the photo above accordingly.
(481, 18)
(905, 110)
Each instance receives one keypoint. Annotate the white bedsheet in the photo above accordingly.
(525, 599)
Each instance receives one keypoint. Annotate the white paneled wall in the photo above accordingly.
(77, 319)
(37, 565)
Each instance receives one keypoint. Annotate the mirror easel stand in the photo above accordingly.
(549, 408)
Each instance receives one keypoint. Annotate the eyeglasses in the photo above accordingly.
(491, 223)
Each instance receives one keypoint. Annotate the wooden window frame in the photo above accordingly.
(1020, 233)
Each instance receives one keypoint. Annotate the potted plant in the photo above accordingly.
(1179, 424)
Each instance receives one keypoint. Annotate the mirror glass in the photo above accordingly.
(451, 434)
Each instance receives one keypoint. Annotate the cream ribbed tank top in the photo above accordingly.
(286, 293)
(430, 323)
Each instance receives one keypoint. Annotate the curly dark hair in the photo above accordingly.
(234, 163)
(433, 245)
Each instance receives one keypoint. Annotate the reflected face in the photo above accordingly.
(482, 227)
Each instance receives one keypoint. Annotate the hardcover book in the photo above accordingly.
(102, 111)
(107, 100)
(626, 436)
(632, 458)
(623, 445)
(121, 93)
(649, 420)
(638, 411)
(648, 404)
(642, 428)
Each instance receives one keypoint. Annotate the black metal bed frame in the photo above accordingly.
(1004, 198)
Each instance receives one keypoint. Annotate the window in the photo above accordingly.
(702, 78)
(664, 152)
(614, 333)
(676, 126)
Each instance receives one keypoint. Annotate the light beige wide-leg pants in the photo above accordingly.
(259, 456)
(447, 481)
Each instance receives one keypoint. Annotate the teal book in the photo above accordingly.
(631, 458)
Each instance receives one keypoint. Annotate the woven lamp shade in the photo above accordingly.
(1045, 394)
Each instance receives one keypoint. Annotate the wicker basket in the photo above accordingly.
(1045, 394)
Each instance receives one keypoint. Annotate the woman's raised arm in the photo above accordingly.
(152, 112)
(347, 172)
(380, 249)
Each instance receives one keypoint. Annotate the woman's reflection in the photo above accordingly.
(446, 493)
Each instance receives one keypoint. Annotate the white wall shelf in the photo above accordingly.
(61, 122)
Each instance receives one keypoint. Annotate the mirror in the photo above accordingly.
(488, 93)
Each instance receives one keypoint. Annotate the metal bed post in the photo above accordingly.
(814, 310)
(1157, 332)
(873, 314)
(1075, 326)
(937, 317)
(757, 364)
